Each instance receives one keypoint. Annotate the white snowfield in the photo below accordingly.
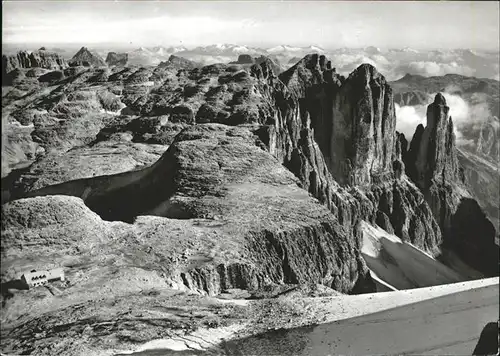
(351, 306)
(396, 265)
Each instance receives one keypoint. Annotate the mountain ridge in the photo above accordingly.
(254, 183)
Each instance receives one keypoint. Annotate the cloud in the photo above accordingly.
(430, 69)
(346, 63)
(464, 115)
(394, 66)
(408, 118)
(459, 109)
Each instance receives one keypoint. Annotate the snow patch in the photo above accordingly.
(402, 265)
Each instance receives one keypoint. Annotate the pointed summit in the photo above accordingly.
(433, 150)
(86, 58)
(439, 99)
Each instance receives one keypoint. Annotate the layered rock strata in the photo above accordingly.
(36, 59)
(260, 226)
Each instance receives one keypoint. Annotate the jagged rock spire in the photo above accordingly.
(432, 154)
(364, 123)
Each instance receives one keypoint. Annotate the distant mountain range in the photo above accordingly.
(180, 185)
(394, 63)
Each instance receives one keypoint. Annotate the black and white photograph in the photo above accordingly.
(233, 178)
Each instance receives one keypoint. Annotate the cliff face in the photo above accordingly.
(117, 59)
(219, 175)
(365, 102)
(329, 129)
(264, 185)
(179, 62)
(353, 119)
(411, 98)
(336, 135)
(432, 163)
(324, 128)
(36, 59)
(433, 148)
(488, 142)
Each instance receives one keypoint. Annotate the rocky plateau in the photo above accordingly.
(165, 191)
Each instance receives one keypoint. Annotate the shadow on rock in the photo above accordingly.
(474, 238)
(488, 341)
(164, 352)
(7, 286)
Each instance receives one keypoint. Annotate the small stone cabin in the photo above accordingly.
(40, 278)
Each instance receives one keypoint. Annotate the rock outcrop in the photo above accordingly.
(179, 63)
(482, 177)
(488, 142)
(117, 59)
(260, 183)
(432, 150)
(411, 98)
(84, 57)
(335, 134)
(245, 59)
(36, 59)
(220, 173)
(310, 98)
(432, 163)
(352, 117)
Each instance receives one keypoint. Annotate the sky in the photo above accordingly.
(331, 24)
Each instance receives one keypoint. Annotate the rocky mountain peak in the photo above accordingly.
(179, 62)
(116, 59)
(353, 119)
(245, 59)
(312, 70)
(367, 71)
(87, 58)
(265, 68)
(315, 61)
(432, 163)
(439, 99)
(438, 112)
(84, 51)
(432, 152)
(365, 127)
